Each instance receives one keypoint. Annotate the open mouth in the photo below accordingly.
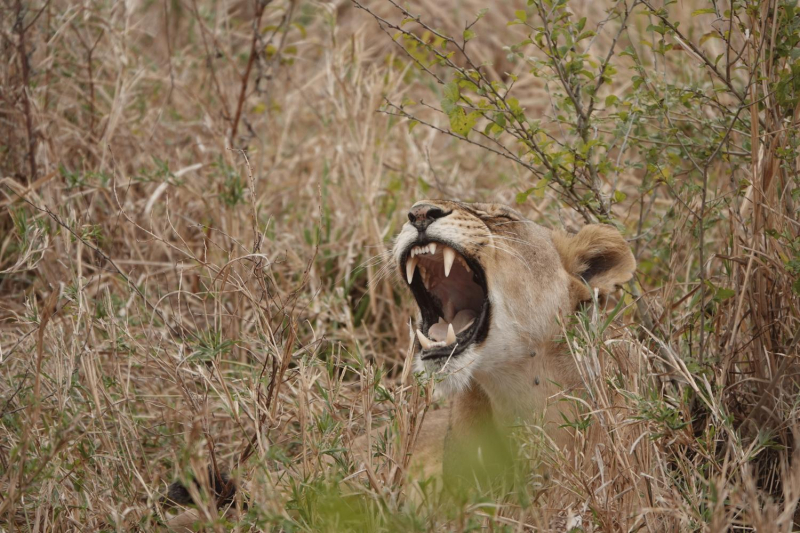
(450, 289)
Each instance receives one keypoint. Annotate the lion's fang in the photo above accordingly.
(451, 335)
(426, 343)
(423, 340)
(411, 264)
(449, 257)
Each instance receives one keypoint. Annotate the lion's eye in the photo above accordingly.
(494, 215)
(497, 219)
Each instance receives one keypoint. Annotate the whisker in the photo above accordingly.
(384, 272)
(513, 254)
(512, 239)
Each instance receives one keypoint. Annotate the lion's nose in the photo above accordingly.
(421, 216)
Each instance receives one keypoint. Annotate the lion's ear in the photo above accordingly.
(598, 256)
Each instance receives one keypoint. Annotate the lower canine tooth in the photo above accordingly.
(451, 335)
(423, 340)
(411, 264)
(449, 257)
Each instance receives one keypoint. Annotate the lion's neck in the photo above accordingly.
(528, 388)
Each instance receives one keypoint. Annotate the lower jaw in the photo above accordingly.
(443, 354)
(444, 364)
(450, 377)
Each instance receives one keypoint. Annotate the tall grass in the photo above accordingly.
(197, 198)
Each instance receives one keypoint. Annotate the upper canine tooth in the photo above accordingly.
(449, 257)
(411, 264)
(423, 340)
(451, 335)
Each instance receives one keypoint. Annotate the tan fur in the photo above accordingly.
(594, 243)
(535, 277)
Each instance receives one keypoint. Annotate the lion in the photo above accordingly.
(491, 287)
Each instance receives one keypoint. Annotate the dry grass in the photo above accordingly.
(169, 300)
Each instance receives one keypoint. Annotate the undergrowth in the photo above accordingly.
(197, 198)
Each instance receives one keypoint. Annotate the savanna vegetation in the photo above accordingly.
(197, 198)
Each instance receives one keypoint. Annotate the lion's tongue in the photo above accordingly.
(462, 320)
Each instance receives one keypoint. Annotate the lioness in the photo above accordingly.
(490, 286)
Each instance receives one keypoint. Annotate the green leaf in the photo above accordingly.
(451, 91)
(469, 85)
(300, 28)
(462, 123)
(521, 15)
(657, 28)
(537, 191)
(709, 35)
(412, 125)
(723, 294)
(481, 13)
(468, 35)
(611, 99)
(706, 11)
(619, 196)
(516, 110)
(448, 106)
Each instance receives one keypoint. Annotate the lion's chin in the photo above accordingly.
(451, 376)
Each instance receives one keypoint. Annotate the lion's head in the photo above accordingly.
(490, 284)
